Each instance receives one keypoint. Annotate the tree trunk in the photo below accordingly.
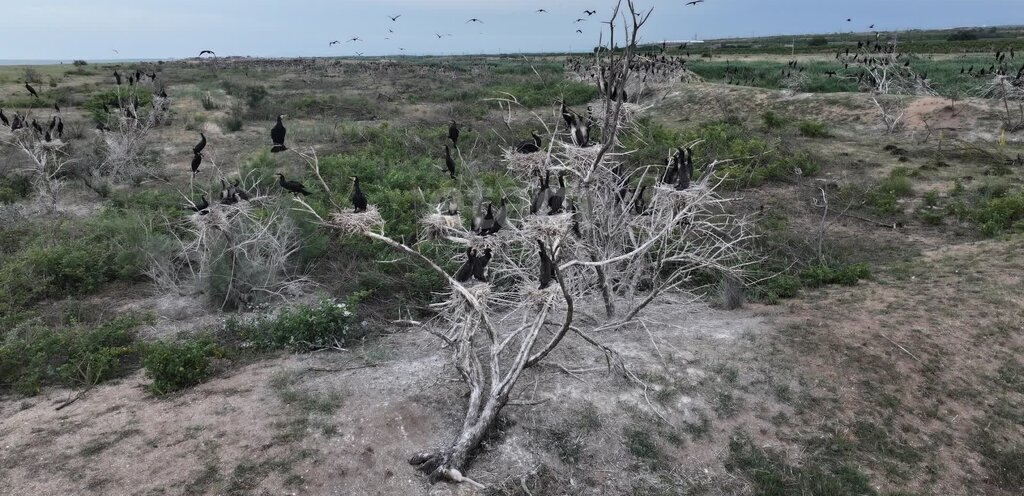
(449, 463)
(606, 292)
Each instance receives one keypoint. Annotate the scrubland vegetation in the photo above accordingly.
(872, 347)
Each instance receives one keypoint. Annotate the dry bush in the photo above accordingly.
(124, 142)
(239, 255)
(48, 165)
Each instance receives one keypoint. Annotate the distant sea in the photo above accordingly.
(68, 62)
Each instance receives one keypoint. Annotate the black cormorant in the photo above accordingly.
(197, 159)
(466, 270)
(357, 197)
(31, 90)
(547, 269)
(453, 134)
(449, 163)
(277, 136)
(670, 171)
(117, 78)
(557, 197)
(685, 168)
(201, 206)
(540, 199)
(486, 224)
(530, 145)
(294, 186)
(199, 146)
(3, 119)
(480, 265)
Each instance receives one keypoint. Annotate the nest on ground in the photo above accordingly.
(440, 226)
(547, 227)
(357, 223)
(524, 164)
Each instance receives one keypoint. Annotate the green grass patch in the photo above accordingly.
(300, 328)
(174, 366)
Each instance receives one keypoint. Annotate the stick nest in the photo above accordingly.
(547, 227)
(357, 223)
(628, 114)
(440, 226)
(524, 164)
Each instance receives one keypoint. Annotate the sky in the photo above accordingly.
(151, 29)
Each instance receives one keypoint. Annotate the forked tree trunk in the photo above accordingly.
(449, 463)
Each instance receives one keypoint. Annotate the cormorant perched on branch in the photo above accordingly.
(640, 203)
(277, 136)
(199, 146)
(480, 265)
(294, 186)
(685, 161)
(31, 90)
(117, 78)
(540, 200)
(60, 127)
(501, 218)
(357, 197)
(557, 197)
(547, 269)
(448, 162)
(670, 171)
(466, 270)
(197, 159)
(453, 134)
(3, 119)
(531, 145)
(485, 226)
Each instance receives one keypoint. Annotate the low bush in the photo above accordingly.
(813, 129)
(300, 328)
(176, 366)
(771, 120)
(33, 355)
(824, 274)
(1000, 215)
(14, 187)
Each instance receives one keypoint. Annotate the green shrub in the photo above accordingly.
(232, 124)
(79, 63)
(255, 95)
(300, 328)
(931, 198)
(1000, 214)
(176, 366)
(771, 120)
(822, 275)
(33, 355)
(813, 129)
(818, 41)
(14, 187)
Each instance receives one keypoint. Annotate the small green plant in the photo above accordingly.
(822, 275)
(300, 328)
(176, 366)
(208, 103)
(79, 63)
(255, 95)
(813, 129)
(772, 121)
(931, 198)
(232, 124)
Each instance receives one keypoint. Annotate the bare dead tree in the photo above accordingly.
(48, 164)
(123, 136)
(889, 80)
(1008, 90)
(238, 254)
(601, 250)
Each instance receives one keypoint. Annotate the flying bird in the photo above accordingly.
(590, 12)
(694, 2)
(580, 31)
(578, 20)
(474, 20)
(541, 11)
(354, 38)
(335, 42)
(204, 52)
(395, 18)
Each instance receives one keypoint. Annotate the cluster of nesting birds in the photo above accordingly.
(55, 129)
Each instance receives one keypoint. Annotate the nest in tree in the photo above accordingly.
(51, 145)
(628, 113)
(578, 158)
(524, 164)
(440, 226)
(357, 223)
(547, 227)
